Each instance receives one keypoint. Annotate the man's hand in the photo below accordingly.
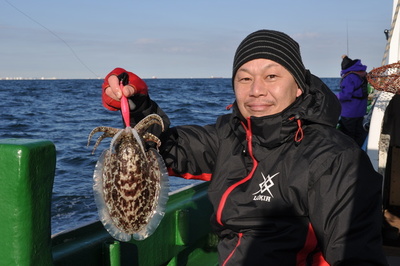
(114, 92)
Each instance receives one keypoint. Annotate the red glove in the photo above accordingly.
(137, 83)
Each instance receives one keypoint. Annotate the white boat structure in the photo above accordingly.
(382, 144)
(374, 146)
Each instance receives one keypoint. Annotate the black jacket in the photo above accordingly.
(287, 189)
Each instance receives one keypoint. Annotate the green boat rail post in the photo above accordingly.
(182, 227)
(27, 169)
(112, 253)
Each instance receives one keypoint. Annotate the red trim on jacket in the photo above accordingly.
(203, 176)
(249, 138)
(298, 137)
(310, 246)
(137, 83)
(240, 235)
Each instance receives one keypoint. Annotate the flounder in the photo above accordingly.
(130, 181)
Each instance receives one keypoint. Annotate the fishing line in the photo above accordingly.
(55, 35)
(347, 33)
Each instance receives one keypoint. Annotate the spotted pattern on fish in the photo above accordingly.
(131, 174)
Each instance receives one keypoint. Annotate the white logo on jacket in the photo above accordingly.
(265, 186)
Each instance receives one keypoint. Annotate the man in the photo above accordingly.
(353, 97)
(286, 186)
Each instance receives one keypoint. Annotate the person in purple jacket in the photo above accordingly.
(353, 97)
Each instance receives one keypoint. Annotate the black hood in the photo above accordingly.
(318, 104)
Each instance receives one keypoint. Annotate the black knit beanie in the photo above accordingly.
(275, 46)
(347, 62)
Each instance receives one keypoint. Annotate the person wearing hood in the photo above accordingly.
(287, 187)
(353, 97)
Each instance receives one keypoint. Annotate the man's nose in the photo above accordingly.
(258, 88)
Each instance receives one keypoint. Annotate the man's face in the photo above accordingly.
(264, 87)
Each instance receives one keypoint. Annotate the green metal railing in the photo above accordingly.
(26, 174)
(182, 238)
(27, 170)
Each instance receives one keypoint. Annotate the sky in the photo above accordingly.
(180, 39)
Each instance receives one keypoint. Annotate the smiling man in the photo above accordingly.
(263, 87)
(286, 186)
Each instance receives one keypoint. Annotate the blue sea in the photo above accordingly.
(65, 111)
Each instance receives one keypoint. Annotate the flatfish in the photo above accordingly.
(130, 181)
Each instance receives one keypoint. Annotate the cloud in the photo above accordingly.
(306, 36)
(167, 45)
(145, 41)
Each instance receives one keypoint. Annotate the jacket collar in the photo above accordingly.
(268, 131)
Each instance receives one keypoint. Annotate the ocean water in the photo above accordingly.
(65, 111)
